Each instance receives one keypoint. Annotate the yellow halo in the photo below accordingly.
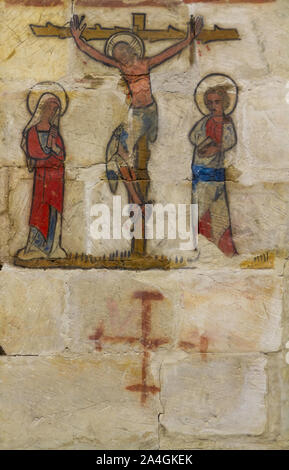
(46, 87)
(212, 80)
(131, 39)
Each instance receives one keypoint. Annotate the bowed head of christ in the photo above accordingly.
(125, 51)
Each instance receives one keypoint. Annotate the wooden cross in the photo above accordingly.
(97, 32)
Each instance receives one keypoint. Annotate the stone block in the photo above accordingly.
(4, 237)
(256, 211)
(32, 312)
(230, 311)
(224, 395)
(74, 403)
(3, 189)
(106, 312)
(13, 117)
(26, 56)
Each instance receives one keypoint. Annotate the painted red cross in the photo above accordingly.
(145, 340)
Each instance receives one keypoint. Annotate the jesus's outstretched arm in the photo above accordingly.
(176, 48)
(76, 31)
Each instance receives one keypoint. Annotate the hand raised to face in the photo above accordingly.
(53, 132)
(52, 136)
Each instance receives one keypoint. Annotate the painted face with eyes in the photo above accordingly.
(123, 53)
(215, 104)
(49, 110)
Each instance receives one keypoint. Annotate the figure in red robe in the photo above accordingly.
(45, 155)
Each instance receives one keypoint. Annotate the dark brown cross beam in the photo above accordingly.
(97, 32)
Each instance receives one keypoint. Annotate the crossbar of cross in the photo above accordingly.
(98, 32)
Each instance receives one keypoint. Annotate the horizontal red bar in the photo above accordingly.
(35, 3)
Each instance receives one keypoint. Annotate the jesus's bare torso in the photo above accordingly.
(137, 77)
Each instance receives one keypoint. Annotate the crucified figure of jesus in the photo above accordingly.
(135, 69)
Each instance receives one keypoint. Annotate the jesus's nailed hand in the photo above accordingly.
(75, 26)
(195, 26)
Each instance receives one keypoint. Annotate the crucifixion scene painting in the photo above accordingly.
(130, 146)
(144, 225)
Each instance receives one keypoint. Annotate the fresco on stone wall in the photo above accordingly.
(128, 149)
(212, 136)
(44, 150)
